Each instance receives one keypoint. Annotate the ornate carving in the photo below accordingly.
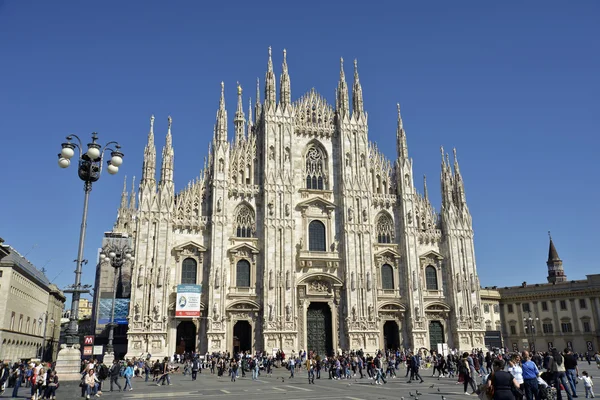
(288, 312)
(352, 282)
(137, 310)
(217, 279)
(370, 310)
(369, 281)
(271, 279)
(319, 286)
(215, 311)
(350, 214)
(288, 280)
(287, 210)
(159, 279)
(364, 215)
(270, 311)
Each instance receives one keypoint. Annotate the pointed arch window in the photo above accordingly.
(316, 236)
(431, 279)
(315, 168)
(189, 271)
(387, 277)
(244, 222)
(242, 274)
(385, 229)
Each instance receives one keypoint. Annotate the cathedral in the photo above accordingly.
(302, 236)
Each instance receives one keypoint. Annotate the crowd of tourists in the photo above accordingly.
(492, 375)
(40, 378)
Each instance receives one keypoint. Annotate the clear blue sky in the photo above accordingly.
(514, 86)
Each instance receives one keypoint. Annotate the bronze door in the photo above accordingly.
(436, 334)
(318, 329)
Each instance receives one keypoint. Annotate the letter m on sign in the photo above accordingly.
(88, 340)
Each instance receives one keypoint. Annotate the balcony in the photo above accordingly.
(318, 259)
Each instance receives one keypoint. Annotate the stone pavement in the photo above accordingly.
(277, 387)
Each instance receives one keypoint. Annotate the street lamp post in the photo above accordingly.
(529, 323)
(117, 255)
(89, 170)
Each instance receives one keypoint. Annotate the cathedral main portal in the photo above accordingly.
(242, 337)
(186, 336)
(318, 329)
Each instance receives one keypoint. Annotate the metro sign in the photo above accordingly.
(88, 340)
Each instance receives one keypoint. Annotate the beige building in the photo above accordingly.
(86, 308)
(560, 313)
(30, 310)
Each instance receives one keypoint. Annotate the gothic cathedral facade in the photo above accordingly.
(303, 236)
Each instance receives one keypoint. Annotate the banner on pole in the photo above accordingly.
(188, 301)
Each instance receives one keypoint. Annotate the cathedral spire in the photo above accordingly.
(459, 187)
(357, 95)
(425, 193)
(446, 181)
(556, 273)
(124, 194)
(132, 196)
(285, 93)
(257, 99)
(270, 84)
(149, 170)
(342, 93)
(250, 123)
(239, 121)
(402, 147)
(221, 124)
(166, 170)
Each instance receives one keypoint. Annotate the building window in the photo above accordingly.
(316, 236)
(547, 327)
(242, 274)
(431, 278)
(1, 272)
(21, 323)
(315, 168)
(586, 326)
(566, 327)
(486, 308)
(509, 307)
(513, 330)
(563, 305)
(496, 309)
(526, 307)
(244, 221)
(544, 306)
(34, 326)
(12, 321)
(498, 325)
(582, 304)
(387, 277)
(385, 228)
(189, 271)
(28, 325)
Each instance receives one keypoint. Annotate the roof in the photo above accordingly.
(17, 259)
(552, 253)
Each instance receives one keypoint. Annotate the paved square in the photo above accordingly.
(277, 387)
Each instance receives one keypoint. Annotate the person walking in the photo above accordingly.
(114, 372)
(587, 384)
(530, 377)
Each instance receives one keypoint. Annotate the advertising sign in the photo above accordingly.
(88, 350)
(121, 311)
(188, 301)
(98, 350)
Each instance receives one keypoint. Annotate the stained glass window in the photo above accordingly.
(189, 270)
(387, 277)
(242, 274)
(316, 236)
